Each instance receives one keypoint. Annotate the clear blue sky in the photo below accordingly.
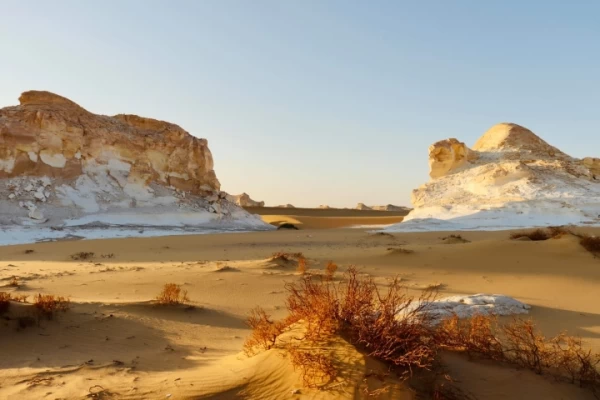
(318, 102)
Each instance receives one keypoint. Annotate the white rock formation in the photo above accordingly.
(90, 175)
(511, 178)
(471, 305)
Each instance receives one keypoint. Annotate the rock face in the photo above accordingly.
(510, 178)
(244, 200)
(448, 155)
(49, 135)
(60, 163)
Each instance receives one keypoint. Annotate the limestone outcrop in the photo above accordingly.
(63, 165)
(244, 200)
(509, 178)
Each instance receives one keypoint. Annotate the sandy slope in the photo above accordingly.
(316, 218)
(116, 338)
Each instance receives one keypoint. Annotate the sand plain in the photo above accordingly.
(115, 342)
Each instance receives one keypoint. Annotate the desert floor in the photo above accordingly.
(115, 343)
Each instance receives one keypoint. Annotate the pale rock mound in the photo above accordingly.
(244, 200)
(470, 306)
(286, 206)
(362, 206)
(511, 178)
(62, 166)
(391, 207)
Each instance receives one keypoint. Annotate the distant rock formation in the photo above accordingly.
(510, 178)
(61, 164)
(244, 200)
(391, 207)
(362, 206)
(286, 206)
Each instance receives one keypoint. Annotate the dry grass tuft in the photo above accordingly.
(6, 298)
(264, 331)
(29, 251)
(109, 255)
(330, 270)
(82, 256)
(48, 305)
(316, 368)
(172, 294)
(591, 243)
(302, 266)
(14, 282)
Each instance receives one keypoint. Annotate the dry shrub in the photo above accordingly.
(316, 368)
(172, 294)
(301, 265)
(29, 251)
(109, 255)
(357, 308)
(591, 243)
(48, 305)
(520, 343)
(264, 331)
(399, 250)
(14, 282)
(330, 270)
(286, 256)
(82, 255)
(6, 298)
(553, 232)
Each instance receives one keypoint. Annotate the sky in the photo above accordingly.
(316, 102)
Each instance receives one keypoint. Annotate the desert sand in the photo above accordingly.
(115, 342)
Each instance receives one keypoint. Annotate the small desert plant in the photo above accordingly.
(29, 251)
(399, 250)
(591, 243)
(316, 368)
(301, 265)
(265, 331)
(48, 305)
(6, 298)
(14, 282)
(172, 294)
(110, 255)
(330, 270)
(520, 343)
(283, 256)
(553, 232)
(82, 255)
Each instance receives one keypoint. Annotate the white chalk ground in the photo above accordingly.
(515, 215)
(469, 306)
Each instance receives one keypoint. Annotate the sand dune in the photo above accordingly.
(115, 337)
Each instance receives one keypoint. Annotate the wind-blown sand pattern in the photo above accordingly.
(115, 341)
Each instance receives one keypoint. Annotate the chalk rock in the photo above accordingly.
(510, 178)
